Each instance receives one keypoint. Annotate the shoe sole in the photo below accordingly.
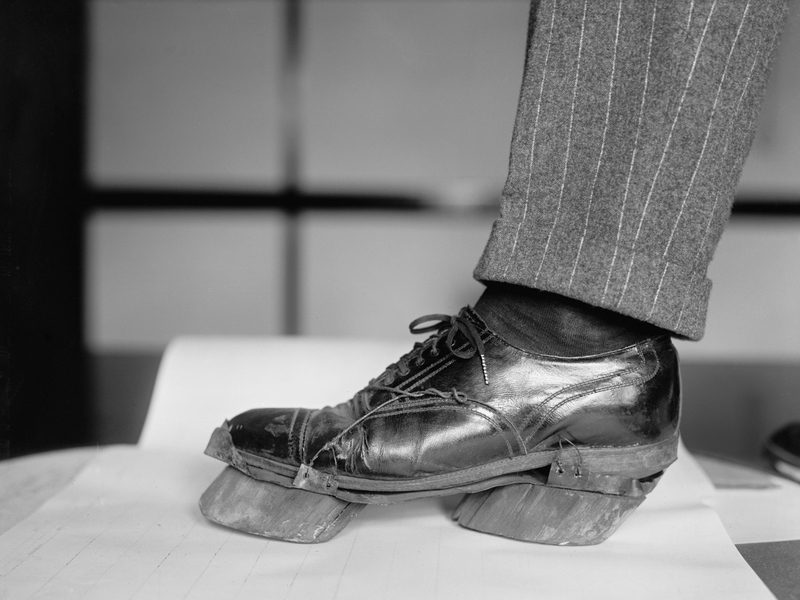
(630, 462)
(583, 499)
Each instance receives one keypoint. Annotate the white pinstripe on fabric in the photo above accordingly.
(635, 149)
(702, 152)
(569, 144)
(685, 299)
(602, 147)
(708, 130)
(716, 196)
(667, 145)
(533, 141)
(658, 290)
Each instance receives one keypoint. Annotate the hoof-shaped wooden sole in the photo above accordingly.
(535, 513)
(294, 515)
(570, 506)
(549, 514)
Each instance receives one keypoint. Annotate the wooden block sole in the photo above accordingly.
(574, 507)
(294, 515)
(546, 515)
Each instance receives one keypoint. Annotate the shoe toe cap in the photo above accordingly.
(266, 432)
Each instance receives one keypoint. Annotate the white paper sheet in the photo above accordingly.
(767, 515)
(129, 526)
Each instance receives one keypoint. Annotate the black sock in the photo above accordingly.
(555, 325)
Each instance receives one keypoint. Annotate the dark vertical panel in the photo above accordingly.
(290, 109)
(41, 108)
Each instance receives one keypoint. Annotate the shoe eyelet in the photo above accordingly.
(435, 352)
(419, 362)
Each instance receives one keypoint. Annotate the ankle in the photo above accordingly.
(547, 323)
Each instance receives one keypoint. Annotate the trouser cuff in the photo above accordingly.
(651, 289)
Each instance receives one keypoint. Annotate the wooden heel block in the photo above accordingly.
(573, 508)
(536, 513)
(294, 515)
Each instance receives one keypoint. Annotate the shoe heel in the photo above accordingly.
(571, 509)
(270, 510)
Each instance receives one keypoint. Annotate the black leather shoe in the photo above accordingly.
(466, 412)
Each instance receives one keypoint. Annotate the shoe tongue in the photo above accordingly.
(473, 316)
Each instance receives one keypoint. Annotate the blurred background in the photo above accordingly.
(308, 167)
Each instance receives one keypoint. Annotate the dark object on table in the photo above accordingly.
(783, 451)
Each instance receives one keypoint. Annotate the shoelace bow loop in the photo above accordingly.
(453, 324)
(446, 328)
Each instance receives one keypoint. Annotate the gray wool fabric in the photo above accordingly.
(634, 120)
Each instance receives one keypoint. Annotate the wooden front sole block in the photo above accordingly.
(270, 510)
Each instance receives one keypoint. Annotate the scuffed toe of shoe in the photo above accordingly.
(269, 432)
(289, 435)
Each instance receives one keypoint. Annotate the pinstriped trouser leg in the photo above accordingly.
(634, 120)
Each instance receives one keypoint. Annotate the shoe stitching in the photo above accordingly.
(647, 377)
(549, 411)
(419, 383)
(335, 440)
(536, 459)
(446, 328)
(578, 397)
(528, 420)
(510, 424)
(292, 446)
(410, 383)
(485, 334)
(451, 407)
(302, 437)
(415, 403)
(442, 367)
(415, 380)
(506, 420)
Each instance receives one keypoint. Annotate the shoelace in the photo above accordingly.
(446, 328)
(397, 396)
